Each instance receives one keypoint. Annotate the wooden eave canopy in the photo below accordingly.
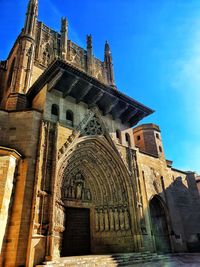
(73, 82)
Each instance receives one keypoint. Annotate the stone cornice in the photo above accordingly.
(71, 81)
(6, 151)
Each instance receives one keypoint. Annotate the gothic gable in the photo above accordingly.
(91, 125)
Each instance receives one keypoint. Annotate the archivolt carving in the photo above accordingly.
(91, 170)
(102, 178)
(105, 184)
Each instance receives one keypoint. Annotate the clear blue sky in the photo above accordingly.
(156, 52)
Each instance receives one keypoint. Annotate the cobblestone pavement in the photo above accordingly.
(185, 260)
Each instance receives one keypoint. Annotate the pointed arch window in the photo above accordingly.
(70, 117)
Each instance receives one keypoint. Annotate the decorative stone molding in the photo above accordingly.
(59, 219)
(93, 128)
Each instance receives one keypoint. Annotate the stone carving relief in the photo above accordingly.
(115, 218)
(59, 219)
(90, 125)
(46, 54)
(77, 56)
(75, 134)
(93, 127)
(74, 188)
(156, 181)
(98, 69)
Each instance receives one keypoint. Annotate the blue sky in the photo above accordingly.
(156, 53)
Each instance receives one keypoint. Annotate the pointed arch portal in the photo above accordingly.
(94, 187)
(160, 225)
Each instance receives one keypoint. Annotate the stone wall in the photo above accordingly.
(180, 195)
(20, 130)
(7, 171)
(44, 101)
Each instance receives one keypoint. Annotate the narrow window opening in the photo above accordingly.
(70, 117)
(160, 149)
(55, 112)
(128, 139)
(138, 138)
(118, 134)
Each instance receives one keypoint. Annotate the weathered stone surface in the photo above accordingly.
(74, 173)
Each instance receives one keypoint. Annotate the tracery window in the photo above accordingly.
(93, 127)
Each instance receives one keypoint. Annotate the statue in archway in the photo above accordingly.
(75, 188)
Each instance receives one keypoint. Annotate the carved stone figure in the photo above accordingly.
(121, 219)
(111, 219)
(126, 217)
(116, 219)
(74, 188)
(101, 220)
(97, 227)
(106, 220)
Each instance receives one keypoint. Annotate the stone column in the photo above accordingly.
(8, 165)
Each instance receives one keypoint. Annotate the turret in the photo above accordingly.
(109, 65)
(64, 37)
(31, 18)
(148, 139)
(89, 54)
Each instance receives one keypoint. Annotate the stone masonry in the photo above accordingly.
(78, 175)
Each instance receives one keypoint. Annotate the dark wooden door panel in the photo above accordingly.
(76, 237)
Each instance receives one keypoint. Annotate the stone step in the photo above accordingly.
(126, 259)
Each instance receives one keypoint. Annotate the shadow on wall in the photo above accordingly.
(174, 217)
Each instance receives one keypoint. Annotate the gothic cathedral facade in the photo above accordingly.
(75, 168)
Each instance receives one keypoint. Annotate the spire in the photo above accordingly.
(89, 54)
(109, 65)
(26, 51)
(64, 37)
(107, 49)
(31, 18)
(89, 42)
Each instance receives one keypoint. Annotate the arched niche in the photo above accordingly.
(160, 224)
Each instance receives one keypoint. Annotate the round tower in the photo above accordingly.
(148, 139)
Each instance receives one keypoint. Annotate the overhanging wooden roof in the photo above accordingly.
(73, 82)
